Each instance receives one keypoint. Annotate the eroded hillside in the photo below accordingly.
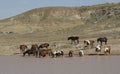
(85, 20)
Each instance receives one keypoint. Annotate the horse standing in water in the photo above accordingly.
(102, 39)
(74, 39)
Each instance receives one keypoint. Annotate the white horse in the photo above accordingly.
(57, 53)
(98, 48)
(81, 53)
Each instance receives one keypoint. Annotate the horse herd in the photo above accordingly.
(43, 50)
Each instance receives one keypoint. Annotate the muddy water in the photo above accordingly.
(75, 65)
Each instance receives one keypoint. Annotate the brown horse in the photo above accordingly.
(49, 52)
(44, 52)
(23, 48)
(70, 53)
(89, 43)
(34, 47)
(45, 45)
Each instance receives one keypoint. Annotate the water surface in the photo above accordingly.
(75, 65)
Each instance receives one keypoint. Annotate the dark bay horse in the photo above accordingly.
(74, 39)
(70, 53)
(29, 52)
(33, 50)
(102, 39)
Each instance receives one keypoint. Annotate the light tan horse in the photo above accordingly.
(44, 52)
(81, 53)
(107, 50)
(88, 43)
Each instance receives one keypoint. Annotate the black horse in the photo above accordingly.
(74, 39)
(29, 52)
(102, 39)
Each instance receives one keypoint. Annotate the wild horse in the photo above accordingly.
(102, 39)
(74, 39)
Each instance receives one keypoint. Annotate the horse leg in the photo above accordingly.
(53, 55)
(70, 54)
(105, 43)
(109, 51)
(62, 53)
(91, 45)
(36, 53)
(71, 41)
(29, 52)
(101, 43)
(24, 54)
(77, 41)
(39, 54)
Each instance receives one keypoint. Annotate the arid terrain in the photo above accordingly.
(55, 24)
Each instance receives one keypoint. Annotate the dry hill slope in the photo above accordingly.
(65, 20)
